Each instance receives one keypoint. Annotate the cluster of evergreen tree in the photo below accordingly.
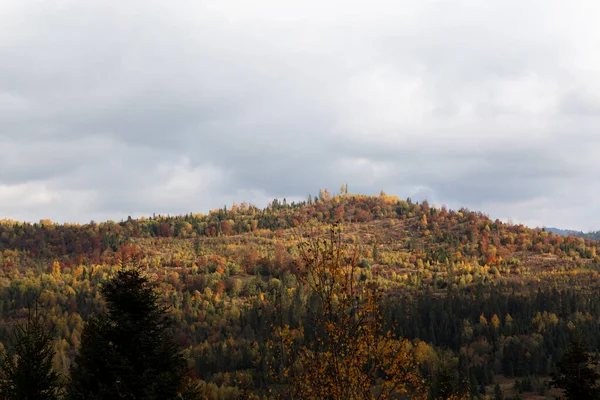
(128, 352)
(577, 373)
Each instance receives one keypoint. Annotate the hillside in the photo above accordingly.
(568, 232)
(492, 300)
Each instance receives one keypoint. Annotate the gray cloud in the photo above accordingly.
(112, 109)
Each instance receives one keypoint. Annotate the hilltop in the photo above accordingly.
(396, 235)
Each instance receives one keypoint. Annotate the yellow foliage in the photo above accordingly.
(353, 357)
(495, 321)
(483, 320)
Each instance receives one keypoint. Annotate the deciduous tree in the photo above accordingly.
(350, 355)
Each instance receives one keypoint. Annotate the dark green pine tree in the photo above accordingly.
(129, 352)
(577, 373)
(26, 371)
(498, 395)
(444, 384)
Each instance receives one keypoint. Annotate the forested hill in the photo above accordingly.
(478, 298)
(568, 232)
(436, 234)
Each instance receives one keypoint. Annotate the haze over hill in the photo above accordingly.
(568, 232)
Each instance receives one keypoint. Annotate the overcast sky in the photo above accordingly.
(116, 108)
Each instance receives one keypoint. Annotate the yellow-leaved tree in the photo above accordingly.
(343, 351)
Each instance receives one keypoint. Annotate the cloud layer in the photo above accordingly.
(110, 109)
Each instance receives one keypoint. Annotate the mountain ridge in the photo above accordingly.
(592, 235)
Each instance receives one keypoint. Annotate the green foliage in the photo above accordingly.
(26, 369)
(128, 352)
(577, 374)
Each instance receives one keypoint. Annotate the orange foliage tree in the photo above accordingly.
(350, 355)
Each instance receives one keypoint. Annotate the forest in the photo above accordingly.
(460, 305)
(595, 235)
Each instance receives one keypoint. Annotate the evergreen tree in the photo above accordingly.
(444, 386)
(26, 370)
(577, 373)
(498, 395)
(129, 352)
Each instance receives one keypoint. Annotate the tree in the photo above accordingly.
(129, 351)
(444, 383)
(498, 394)
(26, 370)
(577, 373)
(346, 354)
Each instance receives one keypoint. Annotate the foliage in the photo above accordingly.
(350, 355)
(498, 395)
(577, 373)
(487, 298)
(26, 370)
(129, 352)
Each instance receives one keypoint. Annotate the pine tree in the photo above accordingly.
(129, 352)
(26, 370)
(444, 386)
(498, 395)
(577, 373)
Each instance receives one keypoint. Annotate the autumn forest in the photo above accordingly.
(336, 297)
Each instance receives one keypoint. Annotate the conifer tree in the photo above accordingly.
(26, 369)
(129, 352)
(444, 384)
(577, 373)
(498, 395)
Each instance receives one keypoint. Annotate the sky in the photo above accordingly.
(111, 109)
